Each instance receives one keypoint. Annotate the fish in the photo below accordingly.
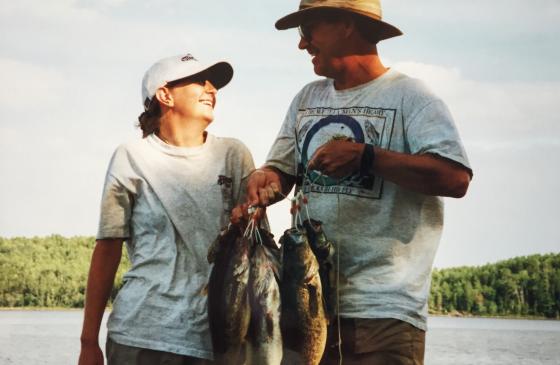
(265, 337)
(324, 252)
(228, 298)
(304, 320)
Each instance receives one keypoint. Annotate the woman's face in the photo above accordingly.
(194, 99)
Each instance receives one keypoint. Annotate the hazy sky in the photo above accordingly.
(71, 73)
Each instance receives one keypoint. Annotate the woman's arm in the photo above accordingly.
(104, 264)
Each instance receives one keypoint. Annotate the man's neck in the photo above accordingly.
(357, 70)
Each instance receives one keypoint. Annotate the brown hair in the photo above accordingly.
(149, 121)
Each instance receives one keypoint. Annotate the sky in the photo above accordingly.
(71, 73)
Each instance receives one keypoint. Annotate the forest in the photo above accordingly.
(47, 271)
(522, 286)
(51, 272)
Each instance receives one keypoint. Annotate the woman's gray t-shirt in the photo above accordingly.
(169, 203)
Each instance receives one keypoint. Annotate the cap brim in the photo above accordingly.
(219, 74)
(294, 20)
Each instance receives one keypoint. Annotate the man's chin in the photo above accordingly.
(318, 70)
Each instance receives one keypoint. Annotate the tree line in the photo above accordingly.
(52, 272)
(521, 286)
(47, 271)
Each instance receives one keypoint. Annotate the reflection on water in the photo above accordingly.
(52, 338)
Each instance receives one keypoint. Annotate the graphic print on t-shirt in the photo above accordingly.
(317, 126)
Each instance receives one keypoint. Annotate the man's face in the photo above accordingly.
(323, 38)
(194, 99)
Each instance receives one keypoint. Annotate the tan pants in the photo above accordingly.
(118, 354)
(375, 342)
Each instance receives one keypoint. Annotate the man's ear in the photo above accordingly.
(163, 94)
(349, 26)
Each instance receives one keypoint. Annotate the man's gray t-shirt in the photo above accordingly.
(169, 203)
(386, 236)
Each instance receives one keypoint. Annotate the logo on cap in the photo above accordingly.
(188, 57)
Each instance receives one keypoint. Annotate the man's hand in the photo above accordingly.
(337, 158)
(91, 354)
(263, 187)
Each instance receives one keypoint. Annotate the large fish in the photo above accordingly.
(228, 300)
(304, 321)
(265, 338)
(324, 252)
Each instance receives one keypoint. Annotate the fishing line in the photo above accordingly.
(252, 229)
(335, 242)
(338, 284)
(300, 197)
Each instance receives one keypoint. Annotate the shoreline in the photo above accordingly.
(444, 315)
(468, 315)
(43, 309)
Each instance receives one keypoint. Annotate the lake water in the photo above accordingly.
(52, 338)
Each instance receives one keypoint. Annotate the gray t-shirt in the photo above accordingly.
(169, 203)
(386, 236)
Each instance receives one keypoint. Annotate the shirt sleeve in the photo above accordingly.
(116, 205)
(244, 165)
(282, 153)
(430, 129)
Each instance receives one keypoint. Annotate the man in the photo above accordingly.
(373, 150)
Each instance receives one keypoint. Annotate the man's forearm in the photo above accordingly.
(104, 264)
(427, 174)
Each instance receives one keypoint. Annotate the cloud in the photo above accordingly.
(494, 114)
(479, 16)
(28, 84)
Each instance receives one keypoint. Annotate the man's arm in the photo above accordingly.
(426, 173)
(265, 186)
(104, 264)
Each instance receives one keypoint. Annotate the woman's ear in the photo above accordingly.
(163, 94)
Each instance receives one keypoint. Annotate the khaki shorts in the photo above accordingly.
(375, 342)
(118, 354)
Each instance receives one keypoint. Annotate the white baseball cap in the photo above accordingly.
(180, 67)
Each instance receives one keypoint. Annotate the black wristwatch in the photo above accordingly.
(368, 156)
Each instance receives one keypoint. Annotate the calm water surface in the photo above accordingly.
(52, 338)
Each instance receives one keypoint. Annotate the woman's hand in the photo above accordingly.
(91, 354)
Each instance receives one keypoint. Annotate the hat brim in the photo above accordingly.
(219, 74)
(294, 20)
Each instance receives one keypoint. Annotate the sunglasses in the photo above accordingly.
(325, 15)
(305, 30)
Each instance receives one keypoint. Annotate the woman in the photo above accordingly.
(167, 195)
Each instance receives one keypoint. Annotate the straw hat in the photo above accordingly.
(370, 9)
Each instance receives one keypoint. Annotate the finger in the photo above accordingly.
(256, 180)
(275, 188)
(277, 193)
(316, 162)
(271, 193)
(313, 163)
(236, 215)
(263, 197)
